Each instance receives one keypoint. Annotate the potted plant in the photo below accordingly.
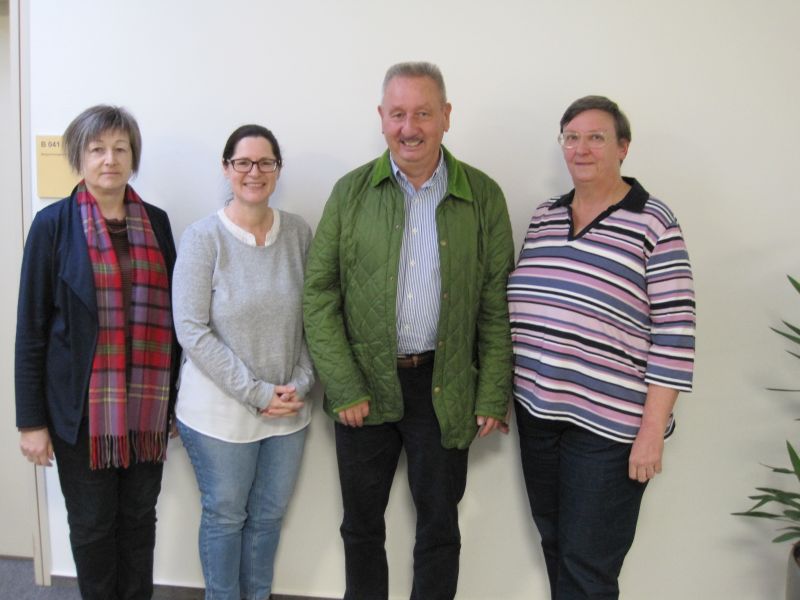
(784, 505)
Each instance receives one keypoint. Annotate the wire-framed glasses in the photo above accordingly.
(571, 139)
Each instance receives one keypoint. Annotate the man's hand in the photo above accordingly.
(355, 415)
(487, 425)
(37, 446)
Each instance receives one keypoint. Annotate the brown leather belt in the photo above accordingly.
(410, 361)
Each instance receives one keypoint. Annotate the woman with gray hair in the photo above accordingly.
(96, 354)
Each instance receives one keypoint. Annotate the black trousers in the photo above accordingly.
(112, 522)
(583, 503)
(367, 458)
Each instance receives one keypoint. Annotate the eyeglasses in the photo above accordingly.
(571, 139)
(245, 165)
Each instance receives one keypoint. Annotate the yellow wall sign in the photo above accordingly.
(54, 177)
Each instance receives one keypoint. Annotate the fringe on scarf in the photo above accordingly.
(108, 451)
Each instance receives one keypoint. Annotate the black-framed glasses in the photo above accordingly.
(571, 139)
(245, 165)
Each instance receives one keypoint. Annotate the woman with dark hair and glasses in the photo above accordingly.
(246, 370)
(96, 356)
(602, 321)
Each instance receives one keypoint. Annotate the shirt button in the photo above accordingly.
(414, 231)
(443, 243)
(444, 296)
(437, 390)
(413, 263)
(411, 296)
(440, 344)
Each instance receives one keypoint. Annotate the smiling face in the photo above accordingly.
(414, 118)
(253, 187)
(594, 165)
(107, 164)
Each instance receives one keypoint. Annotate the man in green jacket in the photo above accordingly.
(406, 319)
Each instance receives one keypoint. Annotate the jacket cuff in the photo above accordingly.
(338, 409)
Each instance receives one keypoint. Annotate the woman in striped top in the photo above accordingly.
(602, 314)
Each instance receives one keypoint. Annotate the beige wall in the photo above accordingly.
(711, 90)
(16, 475)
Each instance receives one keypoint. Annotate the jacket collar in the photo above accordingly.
(457, 182)
(76, 266)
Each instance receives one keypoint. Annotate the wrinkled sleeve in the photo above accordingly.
(323, 311)
(494, 335)
(303, 371)
(191, 302)
(34, 314)
(670, 290)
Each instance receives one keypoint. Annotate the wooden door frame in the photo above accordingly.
(19, 57)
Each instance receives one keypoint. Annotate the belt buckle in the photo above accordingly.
(410, 361)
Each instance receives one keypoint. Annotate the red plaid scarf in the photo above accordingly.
(128, 395)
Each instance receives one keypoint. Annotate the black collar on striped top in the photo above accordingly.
(634, 200)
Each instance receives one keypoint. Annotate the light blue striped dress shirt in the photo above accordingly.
(418, 277)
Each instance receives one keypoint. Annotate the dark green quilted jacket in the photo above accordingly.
(351, 289)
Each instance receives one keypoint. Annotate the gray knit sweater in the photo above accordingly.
(238, 311)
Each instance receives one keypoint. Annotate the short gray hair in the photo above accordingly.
(94, 122)
(622, 126)
(416, 69)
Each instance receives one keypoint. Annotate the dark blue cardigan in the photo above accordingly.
(57, 318)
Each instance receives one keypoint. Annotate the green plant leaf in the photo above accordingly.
(787, 536)
(794, 338)
(788, 499)
(794, 282)
(795, 460)
(763, 500)
(758, 514)
(792, 327)
(779, 496)
(782, 469)
(778, 493)
(779, 469)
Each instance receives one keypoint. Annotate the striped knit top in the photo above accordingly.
(597, 316)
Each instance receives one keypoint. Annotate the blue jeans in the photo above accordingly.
(112, 521)
(437, 476)
(583, 504)
(244, 491)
